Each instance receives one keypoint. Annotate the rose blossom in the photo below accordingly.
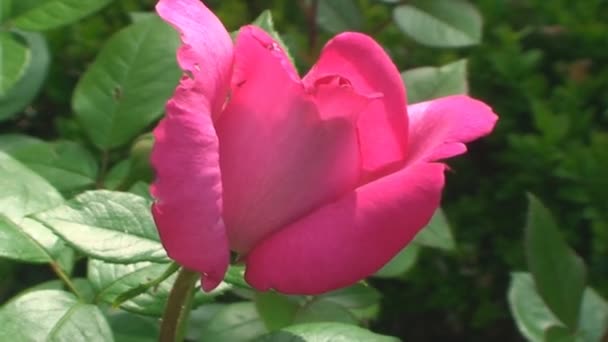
(317, 182)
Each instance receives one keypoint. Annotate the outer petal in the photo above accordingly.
(283, 153)
(206, 52)
(382, 127)
(188, 188)
(349, 239)
(439, 128)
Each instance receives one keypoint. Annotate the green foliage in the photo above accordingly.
(52, 315)
(48, 14)
(14, 59)
(26, 88)
(111, 226)
(324, 332)
(127, 86)
(558, 272)
(441, 23)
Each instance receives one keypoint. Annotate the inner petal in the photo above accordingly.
(284, 150)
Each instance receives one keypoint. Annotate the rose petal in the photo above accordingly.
(439, 128)
(382, 127)
(284, 151)
(349, 239)
(188, 189)
(206, 52)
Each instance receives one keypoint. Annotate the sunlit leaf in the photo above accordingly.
(52, 315)
(111, 226)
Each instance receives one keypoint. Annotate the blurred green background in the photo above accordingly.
(543, 67)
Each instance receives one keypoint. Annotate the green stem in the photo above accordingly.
(177, 310)
(66, 280)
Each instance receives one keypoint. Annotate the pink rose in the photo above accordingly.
(317, 182)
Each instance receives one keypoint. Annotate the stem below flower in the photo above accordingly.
(177, 310)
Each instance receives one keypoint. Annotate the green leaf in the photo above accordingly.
(265, 22)
(534, 318)
(440, 23)
(429, 83)
(325, 332)
(23, 192)
(235, 322)
(64, 164)
(28, 241)
(199, 318)
(530, 312)
(337, 16)
(112, 280)
(361, 300)
(141, 189)
(559, 333)
(52, 315)
(126, 88)
(117, 176)
(357, 296)
(5, 9)
(49, 14)
(83, 286)
(559, 274)
(593, 321)
(437, 233)
(324, 311)
(112, 226)
(130, 327)
(236, 276)
(14, 59)
(400, 263)
(276, 310)
(28, 86)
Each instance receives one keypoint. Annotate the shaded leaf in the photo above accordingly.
(130, 327)
(50, 14)
(559, 274)
(437, 233)
(353, 297)
(400, 263)
(27, 87)
(234, 322)
(126, 88)
(339, 15)
(441, 23)
(14, 59)
(276, 310)
(427, 83)
(64, 164)
(324, 311)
